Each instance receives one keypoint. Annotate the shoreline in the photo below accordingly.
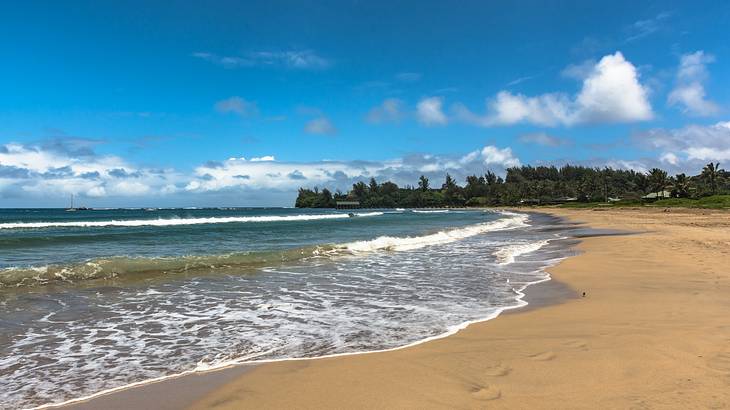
(651, 332)
(634, 341)
(185, 389)
(144, 394)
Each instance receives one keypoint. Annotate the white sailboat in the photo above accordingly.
(71, 209)
(74, 209)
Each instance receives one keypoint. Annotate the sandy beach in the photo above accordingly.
(651, 332)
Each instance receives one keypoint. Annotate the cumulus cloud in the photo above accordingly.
(669, 158)
(37, 175)
(264, 158)
(320, 126)
(293, 59)
(689, 92)
(579, 71)
(429, 111)
(697, 143)
(492, 155)
(236, 105)
(389, 111)
(45, 170)
(288, 176)
(610, 93)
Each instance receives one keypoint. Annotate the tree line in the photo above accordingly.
(527, 184)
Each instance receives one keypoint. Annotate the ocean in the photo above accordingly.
(94, 300)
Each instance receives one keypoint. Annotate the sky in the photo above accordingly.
(223, 103)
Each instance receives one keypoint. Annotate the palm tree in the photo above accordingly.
(449, 184)
(658, 181)
(711, 173)
(681, 186)
(423, 183)
(373, 186)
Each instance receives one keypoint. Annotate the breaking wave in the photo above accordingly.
(392, 243)
(130, 267)
(508, 253)
(179, 221)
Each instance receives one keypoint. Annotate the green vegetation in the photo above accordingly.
(569, 186)
(712, 202)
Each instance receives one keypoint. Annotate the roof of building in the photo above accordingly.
(655, 195)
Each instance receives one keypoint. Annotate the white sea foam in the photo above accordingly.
(408, 243)
(220, 319)
(264, 356)
(180, 221)
(508, 253)
(435, 211)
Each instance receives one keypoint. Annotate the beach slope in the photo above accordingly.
(652, 331)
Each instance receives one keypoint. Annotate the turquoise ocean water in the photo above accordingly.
(98, 299)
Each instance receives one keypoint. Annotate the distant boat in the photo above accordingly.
(74, 209)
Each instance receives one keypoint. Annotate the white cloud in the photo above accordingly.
(508, 108)
(697, 143)
(541, 138)
(492, 155)
(689, 92)
(579, 71)
(520, 80)
(35, 174)
(643, 28)
(320, 126)
(294, 59)
(389, 111)
(264, 158)
(429, 111)
(236, 105)
(669, 158)
(289, 176)
(46, 171)
(610, 93)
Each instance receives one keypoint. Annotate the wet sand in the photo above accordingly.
(653, 331)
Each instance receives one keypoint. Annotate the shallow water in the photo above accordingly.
(195, 289)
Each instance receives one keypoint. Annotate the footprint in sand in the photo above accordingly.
(544, 356)
(720, 361)
(486, 393)
(497, 371)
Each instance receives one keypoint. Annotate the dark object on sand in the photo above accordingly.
(584, 294)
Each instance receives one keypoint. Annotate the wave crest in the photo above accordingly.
(179, 221)
(508, 253)
(130, 267)
(393, 243)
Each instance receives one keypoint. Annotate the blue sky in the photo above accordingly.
(145, 103)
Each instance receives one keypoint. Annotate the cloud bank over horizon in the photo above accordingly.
(56, 169)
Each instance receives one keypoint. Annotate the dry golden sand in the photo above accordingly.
(652, 332)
